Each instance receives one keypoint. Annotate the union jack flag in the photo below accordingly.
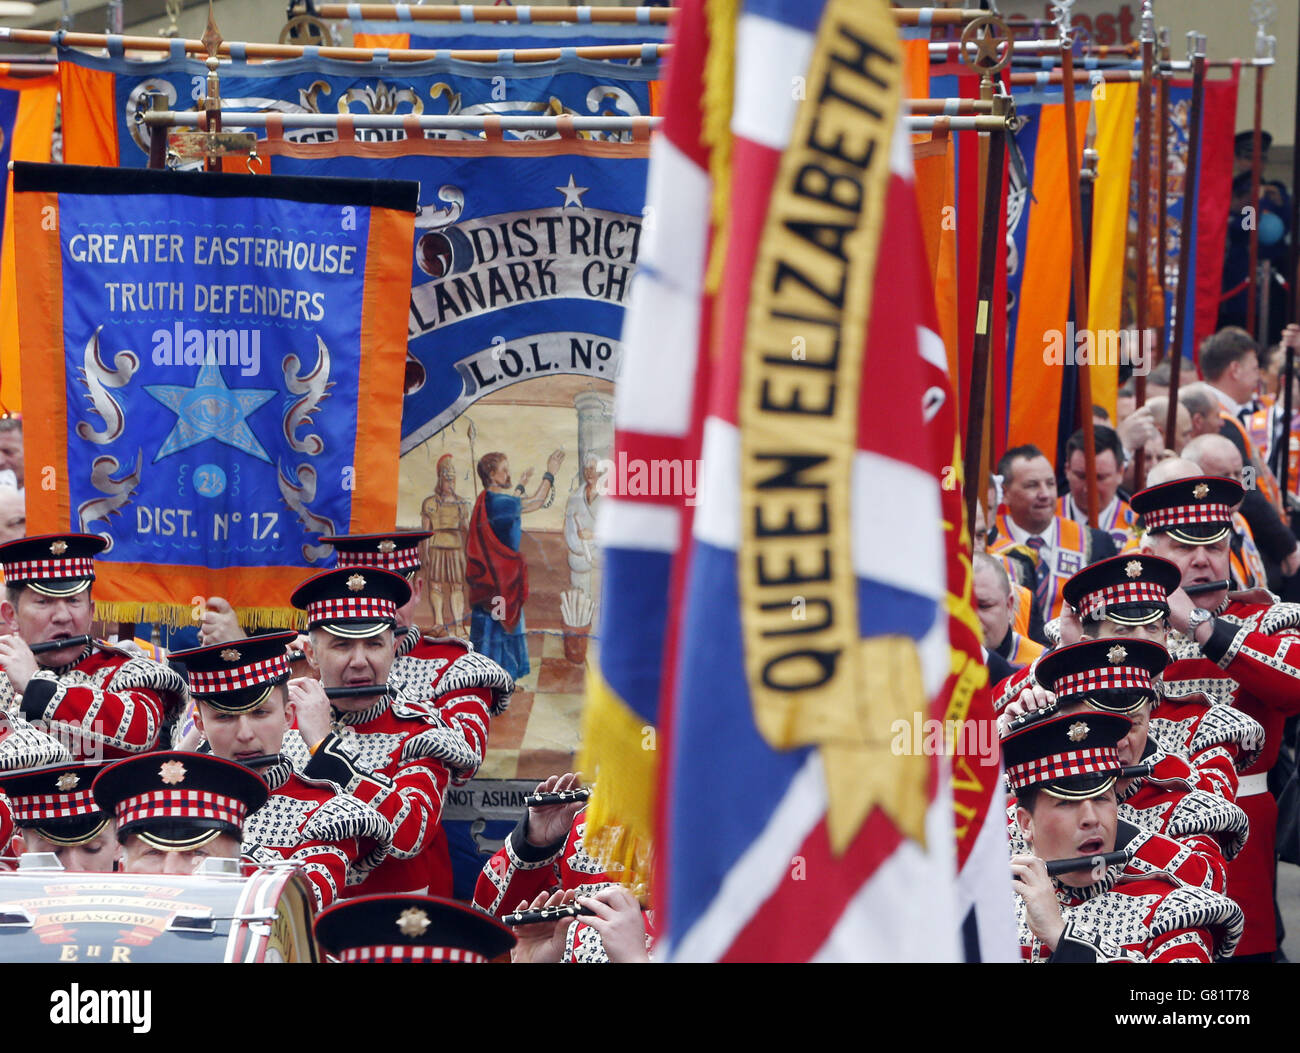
(811, 600)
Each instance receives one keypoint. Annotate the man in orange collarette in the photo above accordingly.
(1062, 546)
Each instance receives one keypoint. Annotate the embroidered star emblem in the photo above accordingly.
(1133, 568)
(573, 194)
(210, 410)
(1078, 731)
(387, 547)
(412, 922)
(172, 772)
(1116, 655)
(59, 547)
(1200, 490)
(67, 781)
(230, 655)
(356, 583)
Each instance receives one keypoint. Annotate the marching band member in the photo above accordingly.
(243, 710)
(102, 701)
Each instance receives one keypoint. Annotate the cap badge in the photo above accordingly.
(1078, 731)
(59, 547)
(1133, 568)
(412, 922)
(230, 655)
(67, 781)
(356, 583)
(1200, 490)
(387, 546)
(172, 772)
(1116, 655)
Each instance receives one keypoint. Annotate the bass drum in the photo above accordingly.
(51, 916)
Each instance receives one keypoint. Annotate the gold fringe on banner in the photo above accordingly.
(718, 99)
(621, 811)
(181, 614)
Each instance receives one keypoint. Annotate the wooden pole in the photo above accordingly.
(1186, 281)
(992, 230)
(1079, 271)
(1142, 308)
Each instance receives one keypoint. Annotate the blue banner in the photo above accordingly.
(573, 86)
(216, 331)
(521, 267)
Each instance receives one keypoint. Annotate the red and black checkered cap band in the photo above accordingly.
(48, 569)
(1186, 515)
(239, 678)
(1147, 593)
(1108, 677)
(1101, 760)
(400, 561)
(384, 955)
(182, 804)
(352, 609)
(33, 808)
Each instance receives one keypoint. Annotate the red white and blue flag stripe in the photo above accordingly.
(745, 867)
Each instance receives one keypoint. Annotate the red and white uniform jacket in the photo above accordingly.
(466, 687)
(1132, 918)
(1150, 852)
(1167, 802)
(1251, 663)
(398, 756)
(519, 872)
(1217, 742)
(334, 839)
(109, 703)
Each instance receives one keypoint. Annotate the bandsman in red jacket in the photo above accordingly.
(396, 753)
(243, 710)
(101, 701)
(1063, 770)
(1240, 650)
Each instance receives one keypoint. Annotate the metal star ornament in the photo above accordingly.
(1133, 568)
(1077, 732)
(1116, 655)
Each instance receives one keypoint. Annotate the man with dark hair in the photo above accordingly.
(1063, 770)
(1062, 546)
(242, 707)
(101, 701)
(1113, 513)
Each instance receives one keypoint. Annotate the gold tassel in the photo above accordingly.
(177, 615)
(619, 751)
